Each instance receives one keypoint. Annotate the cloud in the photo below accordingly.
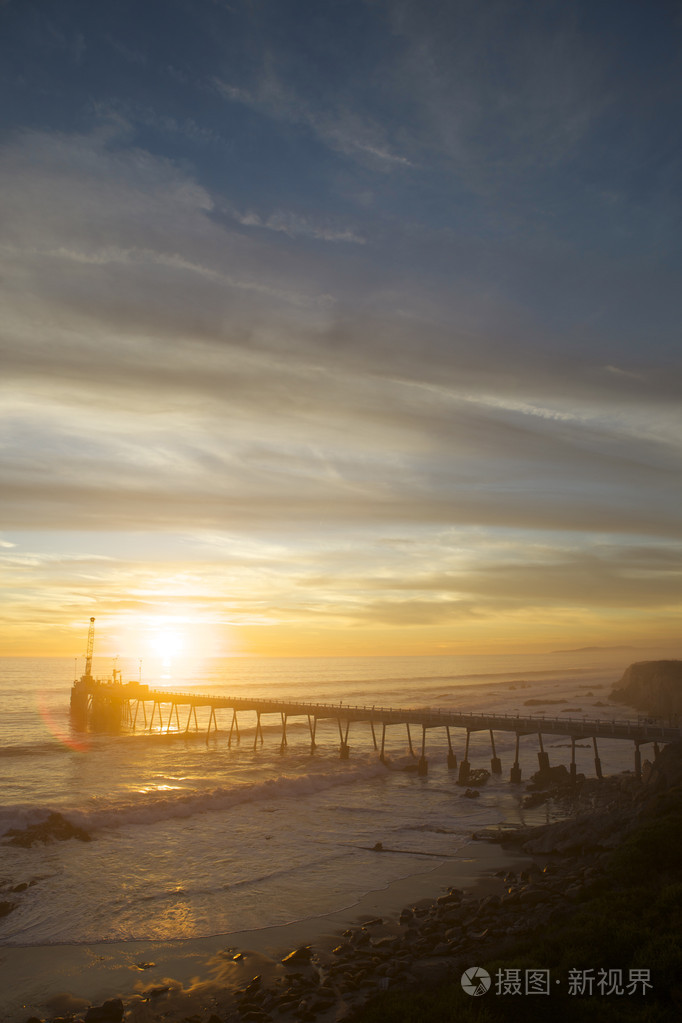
(343, 130)
(167, 371)
(297, 226)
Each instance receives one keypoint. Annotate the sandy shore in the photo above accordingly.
(48, 981)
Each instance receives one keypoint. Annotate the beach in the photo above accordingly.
(47, 981)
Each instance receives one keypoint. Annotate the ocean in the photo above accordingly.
(192, 837)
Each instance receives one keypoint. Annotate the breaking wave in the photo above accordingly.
(152, 807)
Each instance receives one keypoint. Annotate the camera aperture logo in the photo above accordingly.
(476, 981)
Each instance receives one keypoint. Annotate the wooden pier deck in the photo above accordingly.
(128, 702)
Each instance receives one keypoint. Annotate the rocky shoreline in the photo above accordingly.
(433, 940)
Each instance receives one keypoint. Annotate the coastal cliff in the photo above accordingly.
(654, 687)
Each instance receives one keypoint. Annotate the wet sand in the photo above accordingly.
(48, 981)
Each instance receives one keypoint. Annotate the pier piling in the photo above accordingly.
(495, 762)
(409, 738)
(515, 773)
(259, 731)
(452, 758)
(344, 751)
(465, 766)
(234, 725)
(543, 758)
(423, 764)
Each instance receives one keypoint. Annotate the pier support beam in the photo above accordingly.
(344, 751)
(452, 758)
(211, 721)
(543, 758)
(259, 731)
(574, 770)
(234, 725)
(382, 757)
(515, 773)
(312, 725)
(144, 711)
(374, 735)
(409, 738)
(638, 763)
(174, 707)
(495, 762)
(423, 764)
(465, 766)
(597, 761)
(283, 744)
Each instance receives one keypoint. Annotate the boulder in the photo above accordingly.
(299, 955)
(666, 770)
(108, 1012)
(55, 829)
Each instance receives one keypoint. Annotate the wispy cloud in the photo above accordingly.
(297, 226)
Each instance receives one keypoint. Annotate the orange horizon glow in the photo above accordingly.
(173, 640)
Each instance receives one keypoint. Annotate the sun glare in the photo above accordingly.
(167, 644)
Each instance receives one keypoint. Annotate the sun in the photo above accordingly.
(167, 643)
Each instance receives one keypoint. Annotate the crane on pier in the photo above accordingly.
(79, 691)
(90, 647)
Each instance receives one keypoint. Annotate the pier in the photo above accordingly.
(135, 706)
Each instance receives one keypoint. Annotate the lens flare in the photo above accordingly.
(77, 745)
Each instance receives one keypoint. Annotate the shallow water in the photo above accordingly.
(193, 838)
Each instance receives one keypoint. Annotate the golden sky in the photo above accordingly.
(335, 335)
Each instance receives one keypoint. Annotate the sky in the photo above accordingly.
(340, 328)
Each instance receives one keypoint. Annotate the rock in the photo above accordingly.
(452, 898)
(253, 986)
(299, 955)
(156, 992)
(109, 1012)
(652, 686)
(666, 770)
(7, 907)
(479, 776)
(55, 829)
(551, 776)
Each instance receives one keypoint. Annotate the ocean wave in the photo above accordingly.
(34, 749)
(152, 807)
